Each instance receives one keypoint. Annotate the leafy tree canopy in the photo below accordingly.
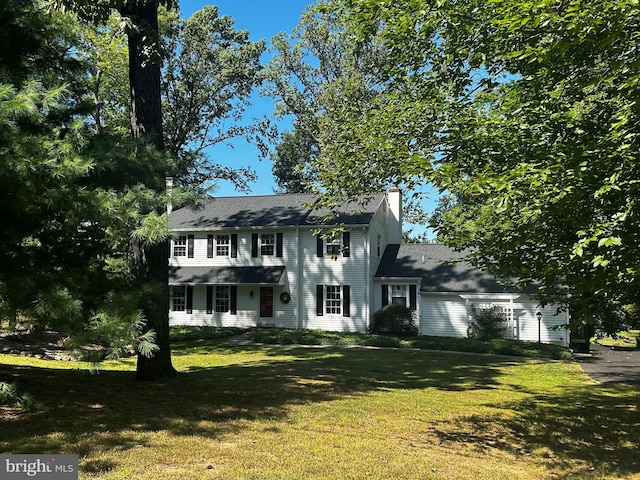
(528, 110)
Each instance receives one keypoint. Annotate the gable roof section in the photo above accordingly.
(441, 269)
(250, 211)
(285, 210)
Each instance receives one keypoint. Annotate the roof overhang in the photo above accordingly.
(226, 275)
(492, 296)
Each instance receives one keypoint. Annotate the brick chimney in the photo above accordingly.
(395, 216)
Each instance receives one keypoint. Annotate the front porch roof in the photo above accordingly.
(225, 275)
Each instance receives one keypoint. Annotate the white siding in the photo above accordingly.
(247, 310)
(526, 321)
(446, 315)
(341, 271)
(443, 315)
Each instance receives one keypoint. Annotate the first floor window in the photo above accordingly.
(399, 295)
(405, 295)
(333, 303)
(180, 246)
(333, 299)
(178, 299)
(222, 299)
(222, 245)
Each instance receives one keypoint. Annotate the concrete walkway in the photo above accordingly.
(608, 365)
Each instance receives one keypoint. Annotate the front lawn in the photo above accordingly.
(268, 412)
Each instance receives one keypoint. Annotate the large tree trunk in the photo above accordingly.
(146, 122)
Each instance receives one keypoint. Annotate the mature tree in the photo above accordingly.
(210, 72)
(313, 69)
(61, 213)
(292, 160)
(316, 72)
(145, 108)
(528, 109)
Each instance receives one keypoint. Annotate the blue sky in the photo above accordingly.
(263, 19)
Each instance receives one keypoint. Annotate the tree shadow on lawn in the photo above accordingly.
(590, 431)
(89, 414)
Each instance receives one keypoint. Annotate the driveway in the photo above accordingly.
(607, 365)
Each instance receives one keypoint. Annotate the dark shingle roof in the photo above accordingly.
(251, 211)
(284, 210)
(225, 275)
(440, 268)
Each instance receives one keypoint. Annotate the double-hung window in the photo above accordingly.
(399, 295)
(222, 245)
(333, 246)
(267, 244)
(178, 299)
(405, 295)
(180, 246)
(334, 302)
(222, 298)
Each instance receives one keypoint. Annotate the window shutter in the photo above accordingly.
(385, 295)
(319, 246)
(346, 301)
(209, 246)
(279, 246)
(190, 242)
(209, 299)
(234, 245)
(413, 297)
(346, 244)
(254, 244)
(169, 247)
(233, 301)
(319, 300)
(189, 299)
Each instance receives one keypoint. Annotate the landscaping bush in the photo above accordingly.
(185, 333)
(394, 320)
(486, 323)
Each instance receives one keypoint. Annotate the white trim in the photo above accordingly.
(493, 296)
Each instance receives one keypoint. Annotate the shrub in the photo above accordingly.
(486, 323)
(395, 320)
(10, 397)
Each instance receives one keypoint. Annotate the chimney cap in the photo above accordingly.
(394, 189)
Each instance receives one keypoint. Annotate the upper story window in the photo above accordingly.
(222, 245)
(180, 246)
(267, 244)
(399, 295)
(333, 246)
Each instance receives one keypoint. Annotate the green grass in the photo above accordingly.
(496, 346)
(269, 412)
(629, 339)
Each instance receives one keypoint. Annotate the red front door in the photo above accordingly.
(266, 302)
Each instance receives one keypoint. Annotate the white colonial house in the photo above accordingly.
(273, 261)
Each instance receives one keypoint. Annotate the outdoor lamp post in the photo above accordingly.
(539, 316)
